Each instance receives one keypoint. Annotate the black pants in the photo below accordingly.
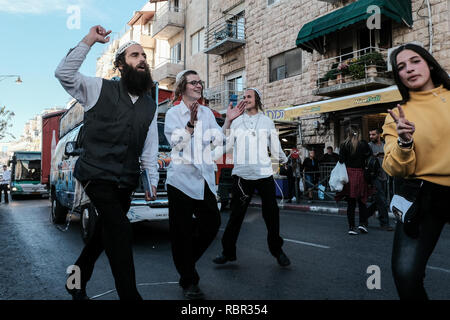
(112, 233)
(410, 256)
(190, 237)
(4, 188)
(239, 205)
(351, 206)
(380, 203)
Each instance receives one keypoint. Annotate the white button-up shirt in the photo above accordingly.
(6, 178)
(191, 158)
(251, 137)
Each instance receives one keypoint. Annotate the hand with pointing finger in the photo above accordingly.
(405, 128)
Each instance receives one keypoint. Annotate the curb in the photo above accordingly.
(313, 208)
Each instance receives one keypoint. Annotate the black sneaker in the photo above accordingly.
(193, 292)
(363, 229)
(283, 260)
(352, 232)
(221, 259)
(77, 294)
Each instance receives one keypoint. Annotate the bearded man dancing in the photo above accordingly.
(119, 134)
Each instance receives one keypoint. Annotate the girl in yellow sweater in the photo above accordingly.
(418, 147)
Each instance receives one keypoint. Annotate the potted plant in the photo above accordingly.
(357, 70)
(322, 82)
(331, 75)
(344, 70)
(372, 60)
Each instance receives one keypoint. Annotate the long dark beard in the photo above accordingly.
(137, 82)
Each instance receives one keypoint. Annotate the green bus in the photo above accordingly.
(26, 175)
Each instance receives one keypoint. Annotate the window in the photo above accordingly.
(175, 53)
(198, 42)
(285, 65)
(270, 2)
(235, 87)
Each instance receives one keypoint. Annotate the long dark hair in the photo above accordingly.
(438, 74)
(353, 138)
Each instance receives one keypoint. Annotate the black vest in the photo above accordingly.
(113, 136)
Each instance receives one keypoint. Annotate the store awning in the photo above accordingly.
(311, 35)
(386, 95)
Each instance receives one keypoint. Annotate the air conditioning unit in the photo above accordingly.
(390, 50)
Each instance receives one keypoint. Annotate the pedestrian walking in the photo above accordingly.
(414, 132)
(251, 136)
(380, 182)
(119, 129)
(311, 170)
(4, 183)
(354, 152)
(293, 166)
(190, 127)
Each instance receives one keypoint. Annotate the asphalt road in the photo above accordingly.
(326, 262)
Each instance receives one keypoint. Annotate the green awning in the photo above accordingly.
(311, 36)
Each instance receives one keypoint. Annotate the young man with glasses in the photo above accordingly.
(190, 127)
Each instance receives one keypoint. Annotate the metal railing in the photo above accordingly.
(227, 27)
(220, 96)
(353, 66)
(165, 9)
(164, 61)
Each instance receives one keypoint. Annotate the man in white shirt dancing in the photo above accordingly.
(119, 129)
(251, 136)
(190, 128)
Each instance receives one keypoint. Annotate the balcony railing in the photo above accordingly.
(166, 70)
(220, 96)
(168, 21)
(353, 72)
(225, 34)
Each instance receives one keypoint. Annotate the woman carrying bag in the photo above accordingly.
(353, 153)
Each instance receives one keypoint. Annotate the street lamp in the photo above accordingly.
(18, 80)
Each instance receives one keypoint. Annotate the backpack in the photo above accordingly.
(371, 169)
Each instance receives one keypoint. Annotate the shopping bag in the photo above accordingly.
(301, 186)
(338, 177)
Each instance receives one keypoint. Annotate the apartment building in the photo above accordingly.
(324, 63)
(320, 64)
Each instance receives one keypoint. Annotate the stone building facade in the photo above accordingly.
(235, 44)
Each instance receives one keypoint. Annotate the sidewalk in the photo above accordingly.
(331, 207)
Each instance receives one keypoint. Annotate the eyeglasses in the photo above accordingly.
(195, 82)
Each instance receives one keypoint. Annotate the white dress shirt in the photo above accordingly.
(6, 178)
(87, 91)
(251, 136)
(191, 158)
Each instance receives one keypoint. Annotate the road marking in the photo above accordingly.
(439, 269)
(138, 285)
(308, 244)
